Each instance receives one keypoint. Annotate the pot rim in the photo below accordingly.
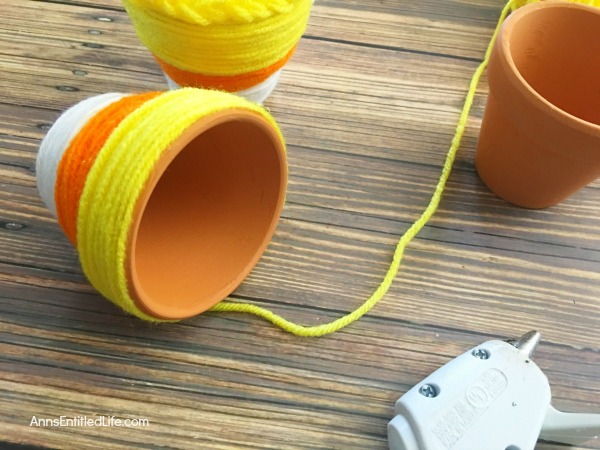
(136, 291)
(521, 83)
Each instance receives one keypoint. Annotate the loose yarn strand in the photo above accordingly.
(331, 327)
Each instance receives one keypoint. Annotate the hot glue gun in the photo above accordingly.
(493, 397)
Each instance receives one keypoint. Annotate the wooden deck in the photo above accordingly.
(368, 106)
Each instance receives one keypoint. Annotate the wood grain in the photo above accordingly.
(368, 106)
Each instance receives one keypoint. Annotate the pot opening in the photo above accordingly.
(557, 52)
(209, 217)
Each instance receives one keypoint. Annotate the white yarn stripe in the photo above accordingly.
(257, 94)
(59, 137)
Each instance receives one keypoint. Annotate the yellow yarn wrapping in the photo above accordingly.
(519, 3)
(216, 37)
(212, 12)
(121, 172)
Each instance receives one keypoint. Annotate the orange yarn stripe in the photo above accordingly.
(81, 154)
(229, 83)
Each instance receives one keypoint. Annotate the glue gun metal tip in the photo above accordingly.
(527, 343)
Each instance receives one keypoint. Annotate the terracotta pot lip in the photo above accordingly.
(521, 83)
(140, 298)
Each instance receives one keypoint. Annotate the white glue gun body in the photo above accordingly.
(493, 397)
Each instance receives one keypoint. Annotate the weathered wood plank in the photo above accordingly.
(368, 106)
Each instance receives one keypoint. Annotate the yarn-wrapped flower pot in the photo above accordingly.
(540, 136)
(170, 198)
(232, 45)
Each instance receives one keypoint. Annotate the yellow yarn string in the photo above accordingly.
(130, 154)
(331, 327)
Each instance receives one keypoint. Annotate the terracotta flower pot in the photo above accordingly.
(170, 198)
(540, 136)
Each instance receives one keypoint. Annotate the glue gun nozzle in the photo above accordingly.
(527, 343)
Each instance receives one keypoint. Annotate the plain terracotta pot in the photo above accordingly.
(540, 136)
(207, 214)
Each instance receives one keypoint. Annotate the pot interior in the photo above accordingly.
(208, 218)
(557, 51)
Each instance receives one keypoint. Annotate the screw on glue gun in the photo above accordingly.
(493, 397)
